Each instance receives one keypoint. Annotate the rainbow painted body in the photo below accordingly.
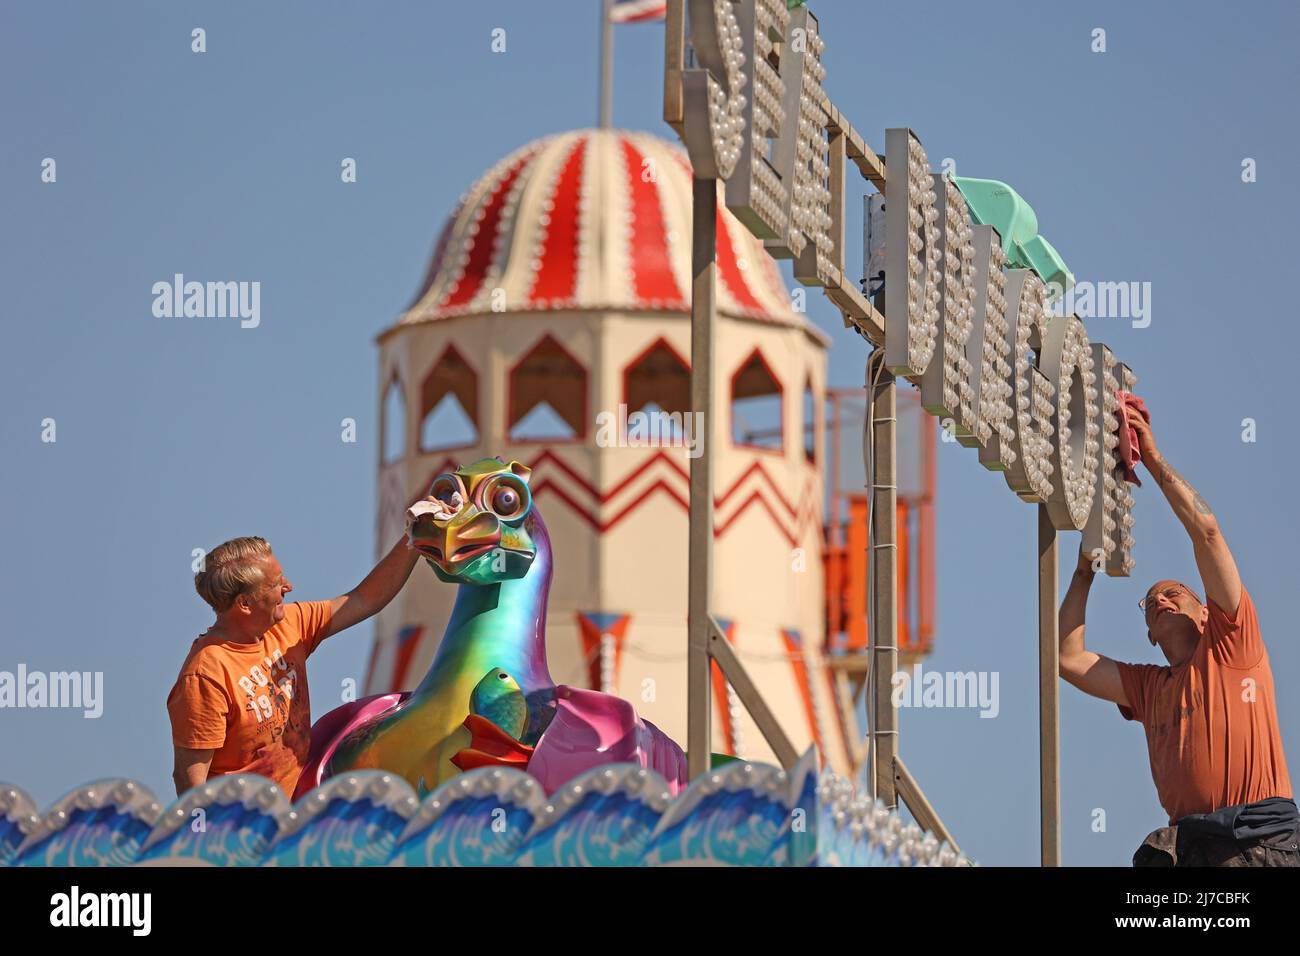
(479, 531)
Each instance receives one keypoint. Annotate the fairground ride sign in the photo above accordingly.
(968, 283)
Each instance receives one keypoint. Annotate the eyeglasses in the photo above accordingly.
(1167, 592)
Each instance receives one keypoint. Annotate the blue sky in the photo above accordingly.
(174, 434)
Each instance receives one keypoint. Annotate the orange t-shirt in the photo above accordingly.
(1211, 722)
(249, 702)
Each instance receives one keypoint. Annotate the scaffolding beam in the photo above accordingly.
(884, 568)
(699, 599)
(920, 807)
(1049, 695)
(722, 651)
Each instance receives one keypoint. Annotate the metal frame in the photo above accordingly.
(699, 600)
(707, 645)
(915, 630)
(882, 427)
(1049, 694)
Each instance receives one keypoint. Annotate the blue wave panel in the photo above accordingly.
(230, 821)
(11, 836)
(17, 818)
(796, 845)
(101, 837)
(475, 832)
(351, 820)
(731, 817)
(232, 835)
(344, 834)
(604, 818)
(480, 818)
(104, 823)
(600, 831)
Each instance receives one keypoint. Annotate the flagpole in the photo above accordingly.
(606, 62)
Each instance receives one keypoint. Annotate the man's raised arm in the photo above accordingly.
(373, 594)
(1087, 670)
(1213, 559)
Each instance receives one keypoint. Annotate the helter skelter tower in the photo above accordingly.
(558, 291)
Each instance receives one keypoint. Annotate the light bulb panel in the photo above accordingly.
(989, 351)
(1121, 561)
(1103, 530)
(801, 155)
(713, 96)
(756, 192)
(912, 260)
(1067, 361)
(1029, 460)
(947, 386)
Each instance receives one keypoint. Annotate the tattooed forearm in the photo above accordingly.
(1167, 475)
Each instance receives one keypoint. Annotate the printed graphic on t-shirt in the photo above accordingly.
(281, 732)
(269, 687)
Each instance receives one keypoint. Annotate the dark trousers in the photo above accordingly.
(1187, 846)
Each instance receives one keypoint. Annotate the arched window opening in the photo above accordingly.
(658, 384)
(393, 426)
(756, 406)
(660, 377)
(548, 395)
(449, 404)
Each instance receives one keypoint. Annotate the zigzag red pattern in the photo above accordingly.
(801, 514)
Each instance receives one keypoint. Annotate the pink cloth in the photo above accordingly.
(1129, 452)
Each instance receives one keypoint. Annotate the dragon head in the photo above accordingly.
(472, 526)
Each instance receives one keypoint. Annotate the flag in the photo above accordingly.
(637, 11)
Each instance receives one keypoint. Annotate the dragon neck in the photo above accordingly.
(499, 625)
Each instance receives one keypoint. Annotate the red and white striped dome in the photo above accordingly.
(591, 219)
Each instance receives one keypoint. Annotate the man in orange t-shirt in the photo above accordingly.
(240, 703)
(1210, 715)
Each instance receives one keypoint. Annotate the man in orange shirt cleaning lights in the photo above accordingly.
(1210, 714)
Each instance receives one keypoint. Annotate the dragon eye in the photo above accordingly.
(505, 501)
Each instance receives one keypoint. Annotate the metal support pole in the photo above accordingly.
(699, 713)
(1049, 698)
(884, 560)
(606, 64)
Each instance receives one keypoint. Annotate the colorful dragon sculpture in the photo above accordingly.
(488, 698)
